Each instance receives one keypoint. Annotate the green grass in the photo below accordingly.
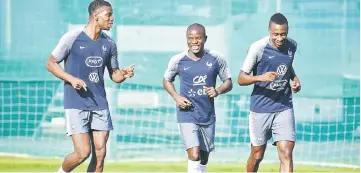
(20, 164)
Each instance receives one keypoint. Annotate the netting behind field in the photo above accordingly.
(146, 129)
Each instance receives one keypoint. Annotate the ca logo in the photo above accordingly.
(199, 80)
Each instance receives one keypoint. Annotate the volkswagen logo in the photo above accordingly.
(282, 69)
(94, 77)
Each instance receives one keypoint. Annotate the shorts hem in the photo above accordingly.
(97, 129)
(75, 133)
(209, 150)
(258, 145)
(275, 141)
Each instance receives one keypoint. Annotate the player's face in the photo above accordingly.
(196, 40)
(104, 18)
(278, 34)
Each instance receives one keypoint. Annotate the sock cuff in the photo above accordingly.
(61, 169)
(194, 162)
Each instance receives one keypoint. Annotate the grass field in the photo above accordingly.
(20, 164)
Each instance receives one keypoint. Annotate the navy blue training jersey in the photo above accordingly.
(194, 75)
(86, 59)
(262, 57)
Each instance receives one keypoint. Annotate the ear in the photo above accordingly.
(95, 16)
(205, 38)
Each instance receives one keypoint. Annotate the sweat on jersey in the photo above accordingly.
(193, 76)
(86, 59)
(262, 57)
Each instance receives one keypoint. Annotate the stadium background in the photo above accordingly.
(148, 33)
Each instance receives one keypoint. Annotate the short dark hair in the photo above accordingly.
(279, 19)
(96, 4)
(197, 25)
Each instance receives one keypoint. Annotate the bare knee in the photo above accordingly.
(100, 153)
(83, 154)
(193, 154)
(285, 156)
(194, 157)
(285, 149)
(258, 157)
(257, 154)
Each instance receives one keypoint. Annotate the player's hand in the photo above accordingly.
(296, 85)
(128, 72)
(211, 91)
(78, 83)
(268, 77)
(182, 102)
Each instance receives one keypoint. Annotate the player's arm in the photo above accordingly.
(244, 77)
(224, 74)
(52, 65)
(181, 101)
(225, 87)
(293, 74)
(247, 79)
(60, 52)
(168, 85)
(118, 75)
(296, 85)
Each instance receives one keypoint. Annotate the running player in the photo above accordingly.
(86, 53)
(198, 70)
(270, 60)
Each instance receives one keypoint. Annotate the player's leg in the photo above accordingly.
(284, 135)
(255, 158)
(99, 140)
(207, 134)
(194, 159)
(260, 133)
(80, 154)
(190, 135)
(204, 160)
(285, 152)
(77, 126)
(101, 124)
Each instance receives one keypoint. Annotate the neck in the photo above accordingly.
(92, 30)
(197, 56)
(274, 45)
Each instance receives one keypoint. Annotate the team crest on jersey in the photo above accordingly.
(209, 64)
(104, 49)
(290, 53)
